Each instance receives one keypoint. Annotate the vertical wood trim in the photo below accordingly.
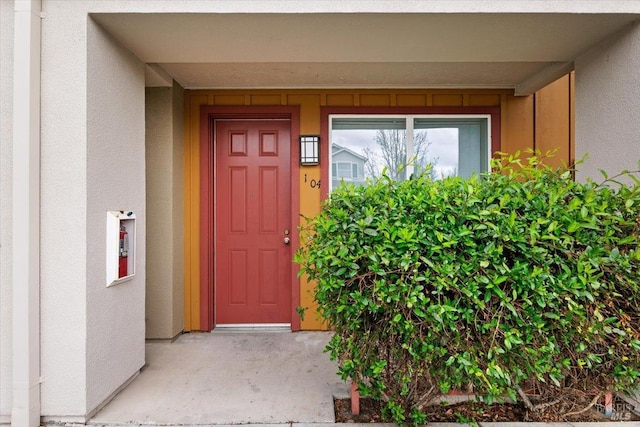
(504, 122)
(295, 215)
(552, 122)
(192, 211)
(188, 204)
(429, 99)
(206, 226)
(465, 100)
(572, 118)
(534, 145)
(496, 130)
(518, 115)
(195, 213)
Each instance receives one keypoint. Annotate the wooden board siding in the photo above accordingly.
(518, 123)
(192, 211)
(572, 118)
(543, 119)
(552, 122)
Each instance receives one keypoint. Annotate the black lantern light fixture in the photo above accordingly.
(309, 149)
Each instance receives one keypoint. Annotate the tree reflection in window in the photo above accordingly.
(402, 146)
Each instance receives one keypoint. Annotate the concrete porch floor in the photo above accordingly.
(231, 378)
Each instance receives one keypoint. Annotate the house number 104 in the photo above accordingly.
(312, 183)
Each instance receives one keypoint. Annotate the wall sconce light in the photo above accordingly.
(309, 149)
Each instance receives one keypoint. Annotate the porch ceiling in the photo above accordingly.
(360, 50)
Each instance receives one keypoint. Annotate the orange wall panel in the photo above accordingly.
(228, 100)
(518, 128)
(309, 206)
(192, 211)
(309, 195)
(447, 100)
(552, 122)
(266, 100)
(375, 100)
(484, 100)
(517, 115)
(411, 100)
(572, 118)
(309, 112)
(340, 100)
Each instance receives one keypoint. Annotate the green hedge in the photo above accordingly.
(521, 279)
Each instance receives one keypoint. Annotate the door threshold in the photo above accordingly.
(252, 327)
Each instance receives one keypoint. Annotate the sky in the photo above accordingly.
(443, 146)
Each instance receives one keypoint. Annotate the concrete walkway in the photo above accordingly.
(231, 378)
(267, 379)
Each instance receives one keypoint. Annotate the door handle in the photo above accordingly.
(286, 240)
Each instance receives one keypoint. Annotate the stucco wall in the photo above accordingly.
(178, 209)
(164, 157)
(115, 181)
(63, 210)
(606, 103)
(6, 141)
(376, 6)
(92, 337)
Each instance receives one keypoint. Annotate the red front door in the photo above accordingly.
(253, 219)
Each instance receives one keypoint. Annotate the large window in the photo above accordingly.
(363, 147)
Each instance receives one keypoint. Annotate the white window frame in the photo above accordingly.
(409, 122)
(350, 177)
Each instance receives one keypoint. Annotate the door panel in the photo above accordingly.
(252, 206)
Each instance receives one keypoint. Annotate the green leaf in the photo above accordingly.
(520, 276)
(371, 232)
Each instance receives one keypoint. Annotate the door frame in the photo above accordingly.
(208, 115)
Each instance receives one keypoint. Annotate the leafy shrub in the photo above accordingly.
(521, 279)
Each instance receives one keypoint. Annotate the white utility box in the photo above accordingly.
(121, 246)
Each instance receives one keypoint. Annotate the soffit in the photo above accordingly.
(358, 50)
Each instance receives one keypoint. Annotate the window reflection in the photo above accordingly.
(364, 148)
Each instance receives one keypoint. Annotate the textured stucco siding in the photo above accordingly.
(6, 142)
(115, 181)
(63, 266)
(159, 225)
(177, 191)
(607, 105)
(374, 6)
(164, 157)
(93, 160)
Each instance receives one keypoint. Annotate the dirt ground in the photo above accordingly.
(371, 412)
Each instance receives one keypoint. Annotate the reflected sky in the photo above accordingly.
(441, 147)
(442, 150)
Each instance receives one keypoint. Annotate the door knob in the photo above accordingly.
(286, 240)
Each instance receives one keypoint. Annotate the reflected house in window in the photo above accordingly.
(346, 166)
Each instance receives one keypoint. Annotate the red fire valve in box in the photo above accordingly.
(124, 252)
